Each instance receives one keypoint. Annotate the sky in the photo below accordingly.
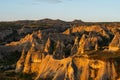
(67, 10)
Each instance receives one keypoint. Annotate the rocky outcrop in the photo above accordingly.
(35, 38)
(74, 49)
(95, 69)
(27, 38)
(115, 44)
(59, 52)
(74, 68)
(67, 32)
(28, 60)
(89, 42)
(20, 63)
(48, 46)
(55, 71)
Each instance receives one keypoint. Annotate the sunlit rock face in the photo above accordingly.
(72, 69)
(89, 42)
(95, 69)
(20, 63)
(74, 49)
(78, 53)
(100, 29)
(115, 44)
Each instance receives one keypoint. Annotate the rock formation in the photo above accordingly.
(62, 50)
(74, 69)
(20, 63)
(74, 49)
(115, 44)
(48, 47)
(58, 52)
(51, 60)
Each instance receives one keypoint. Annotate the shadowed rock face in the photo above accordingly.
(59, 53)
(71, 53)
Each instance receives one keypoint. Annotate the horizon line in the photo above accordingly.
(52, 19)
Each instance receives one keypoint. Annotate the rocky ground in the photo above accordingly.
(57, 50)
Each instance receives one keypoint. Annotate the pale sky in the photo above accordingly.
(68, 10)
